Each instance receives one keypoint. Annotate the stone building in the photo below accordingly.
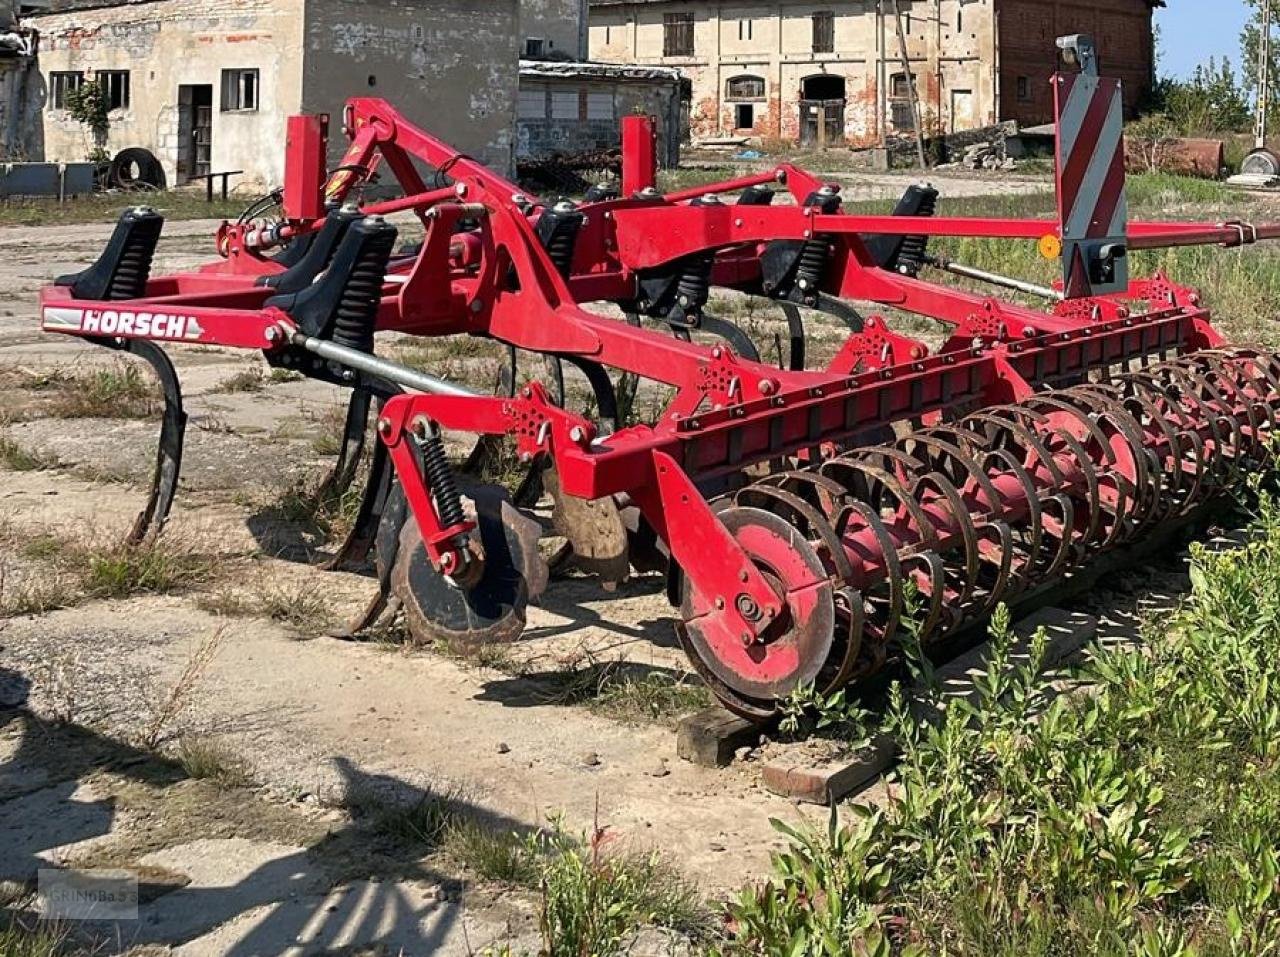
(833, 73)
(568, 106)
(206, 85)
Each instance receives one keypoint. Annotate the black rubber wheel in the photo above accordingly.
(135, 168)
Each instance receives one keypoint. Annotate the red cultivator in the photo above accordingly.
(791, 507)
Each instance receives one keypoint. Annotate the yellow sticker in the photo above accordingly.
(1050, 246)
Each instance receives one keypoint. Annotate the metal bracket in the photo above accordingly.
(1079, 50)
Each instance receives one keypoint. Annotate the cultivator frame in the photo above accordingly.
(900, 480)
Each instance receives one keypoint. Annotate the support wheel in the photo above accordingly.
(752, 679)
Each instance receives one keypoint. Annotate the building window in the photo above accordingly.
(745, 88)
(239, 90)
(1024, 88)
(898, 87)
(745, 29)
(824, 32)
(61, 86)
(677, 34)
(115, 83)
(564, 105)
(534, 48)
(532, 104)
(744, 116)
(600, 106)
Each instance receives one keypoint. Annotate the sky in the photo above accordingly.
(1191, 31)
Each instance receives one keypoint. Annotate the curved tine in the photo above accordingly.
(967, 440)
(1066, 546)
(555, 369)
(1230, 455)
(738, 340)
(487, 447)
(1212, 372)
(1243, 369)
(1188, 456)
(849, 600)
(1181, 382)
(353, 434)
(173, 430)
(927, 534)
(823, 493)
(1086, 467)
(1146, 483)
(841, 310)
(1130, 393)
(935, 570)
(1009, 418)
(680, 332)
(892, 566)
(816, 524)
(1227, 370)
(795, 330)
(602, 388)
(364, 530)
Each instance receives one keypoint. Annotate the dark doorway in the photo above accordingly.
(195, 131)
(822, 99)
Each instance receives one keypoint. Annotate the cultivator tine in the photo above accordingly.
(173, 427)
(354, 430)
(795, 331)
(840, 310)
(355, 547)
(738, 340)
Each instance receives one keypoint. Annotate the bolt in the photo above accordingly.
(420, 427)
(748, 639)
(272, 333)
(143, 210)
(447, 561)
(767, 387)
(748, 608)
(477, 306)
(374, 221)
(519, 199)
(720, 602)
(743, 575)
(564, 206)
(738, 223)
(384, 427)
(526, 457)
(711, 199)
(350, 207)
(1028, 331)
(576, 433)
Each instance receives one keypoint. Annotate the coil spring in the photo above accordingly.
(357, 310)
(441, 480)
(812, 265)
(130, 279)
(560, 250)
(694, 285)
(912, 253)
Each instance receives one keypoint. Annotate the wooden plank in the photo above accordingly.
(709, 738)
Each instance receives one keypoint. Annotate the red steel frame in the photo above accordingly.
(727, 412)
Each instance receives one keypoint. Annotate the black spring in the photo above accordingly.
(357, 311)
(813, 265)
(129, 281)
(694, 285)
(911, 256)
(441, 480)
(560, 250)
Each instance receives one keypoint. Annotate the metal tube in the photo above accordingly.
(391, 371)
(972, 272)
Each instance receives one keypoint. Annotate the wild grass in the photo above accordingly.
(246, 380)
(122, 391)
(18, 458)
(1138, 818)
(208, 759)
(22, 936)
(296, 604)
(106, 208)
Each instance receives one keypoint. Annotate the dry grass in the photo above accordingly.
(122, 391)
(247, 380)
(173, 701)
(17, 458)
(295, 604)
(207, 758)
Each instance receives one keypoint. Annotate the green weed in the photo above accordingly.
(1139, 818)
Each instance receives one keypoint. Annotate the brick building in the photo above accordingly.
(833, 73)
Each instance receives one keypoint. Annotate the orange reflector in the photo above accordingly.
(1050, 246)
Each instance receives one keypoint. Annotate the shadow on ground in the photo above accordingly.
(69, 795)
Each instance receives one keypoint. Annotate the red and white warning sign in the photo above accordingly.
(1091, 201)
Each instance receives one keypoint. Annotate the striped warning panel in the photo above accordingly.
(1091, 200)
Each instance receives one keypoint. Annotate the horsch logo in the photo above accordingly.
(122, 322)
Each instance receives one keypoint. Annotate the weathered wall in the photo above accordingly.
(168, 43)
(1029, 29)
(21, 132)
(950, 44)
(448, 65)
(561, 23)
(573, 113)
